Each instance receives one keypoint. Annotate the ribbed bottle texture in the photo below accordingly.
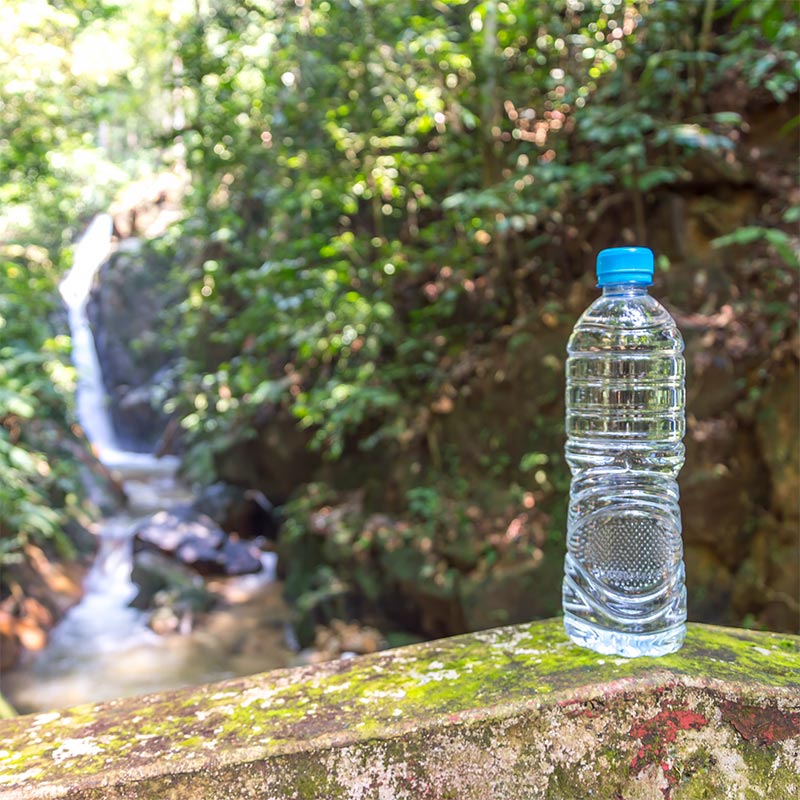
(623, 589)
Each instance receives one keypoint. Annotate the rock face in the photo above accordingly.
(246, 512)
(126, 310)
(499, 715)
(277, 460)
(778, 432)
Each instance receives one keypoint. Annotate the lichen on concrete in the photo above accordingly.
(481, 715)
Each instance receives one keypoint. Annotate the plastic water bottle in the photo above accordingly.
(623, 590)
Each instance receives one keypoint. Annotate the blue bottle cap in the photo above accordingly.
(625, 265)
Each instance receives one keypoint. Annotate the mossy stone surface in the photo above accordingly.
(506, 713)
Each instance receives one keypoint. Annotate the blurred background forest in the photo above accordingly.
(351, 241)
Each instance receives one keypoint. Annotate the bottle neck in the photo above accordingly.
(628, 289)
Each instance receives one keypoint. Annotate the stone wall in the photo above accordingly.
(507, 713)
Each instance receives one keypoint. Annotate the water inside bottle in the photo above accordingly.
(623, 584)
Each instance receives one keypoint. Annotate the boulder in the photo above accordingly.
(200, 554)
(127, 310)
(168, 530)
(154, 572)
(232, 558)
(195, 540)
(176, 609)
(136, 414)
(240, 558)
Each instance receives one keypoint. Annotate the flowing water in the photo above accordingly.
(90, 253)
(103, 648)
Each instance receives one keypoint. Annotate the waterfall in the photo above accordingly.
(103, 647)
(103, 627)
(90, 253)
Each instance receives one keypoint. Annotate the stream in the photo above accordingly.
(103, 648)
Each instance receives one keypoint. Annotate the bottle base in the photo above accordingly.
(619, 643)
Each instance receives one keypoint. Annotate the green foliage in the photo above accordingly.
(379, 188)
(34, 385)
(771, 22)
(379, 193)
(779, 240)
(65, 71)
(382, 183)
(51, 172)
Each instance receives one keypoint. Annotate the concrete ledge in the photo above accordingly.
(510, 713)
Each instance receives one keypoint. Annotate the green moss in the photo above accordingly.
(472, 683)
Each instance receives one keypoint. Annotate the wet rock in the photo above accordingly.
(168, 530)
(233, 557)
(164, 621)
(176, 610)
(200, 554)
(239, 558)
(154, 572)
(137, 406)
(196, 599)
(246, 512)
(174, 592)
(194, 539)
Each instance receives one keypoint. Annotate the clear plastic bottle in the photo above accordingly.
(623, 590)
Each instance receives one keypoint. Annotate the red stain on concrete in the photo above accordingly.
(581, 708)
(656, 733)
(764, 724)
